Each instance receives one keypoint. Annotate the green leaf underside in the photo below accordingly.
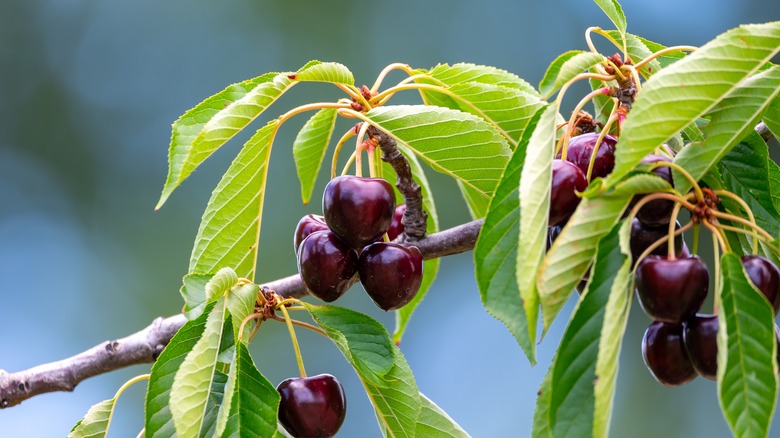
(730, 120)
(451, 142)
(462, 73)
(614, 11)
(213, 404)
(309, 149)
(747, 353)
(430, 267)
(745, 172)
(191, 387)
(640, 48)
(534, 193)
(326, 72)
(572, 252)
(602, 105)
(381, 366)
(241, 303)
(565, 67)
(158, 420)
(220, 283)
(230, 228)
(574, 371)
(495, 253)
(772, 117)
(774, 183)
(193, 291)
(475, 202)
(681, 93)
(95, 422)
(435, 423)
(254, 401)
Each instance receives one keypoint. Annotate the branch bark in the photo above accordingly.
(146, 345)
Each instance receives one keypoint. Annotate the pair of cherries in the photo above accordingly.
(348, 243)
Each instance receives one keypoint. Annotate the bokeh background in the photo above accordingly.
(88, 91)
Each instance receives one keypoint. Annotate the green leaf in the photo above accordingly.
(462, 73)
(220, 283)
(747, 353)
(96, 422)
(202, 130)
(434, 422)
(730, 121)
(192, 384)
(158, 420)
(380, 365)
(309, 149)
(772, 117)
(640, 48)
(572, 403)
(565, 68)
(475, 201)
(701, 80)
(614, 12)
(230, 228)
(571, 253)
(253, 401)
(746, 173)
(430, 267)
(495, 253)
(213, 405)
(452, 142)
(534, 193)
(325, 72)
(541, 427)
(193, 290)
(241, 303)
(774, 183)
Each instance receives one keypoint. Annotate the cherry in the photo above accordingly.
(701, 342)
(642, 236)
(396, 226)
(312, 406)
(580, 149)
(665, 355)
(567, 180)
(358, 210)
(327, 265)
(672, 290)
(765, 276)
(390, 273)
(552, 234)
(657, 212)
(307, 225)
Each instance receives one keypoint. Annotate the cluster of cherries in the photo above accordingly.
(333, 251)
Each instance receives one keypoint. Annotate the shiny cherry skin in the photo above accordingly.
(552, 234)
(765, 276)
(580, 149)
(642, 236)
(307, 225)
(700, 336)
(567, 180)
(396, 226)
(664, 354)
(658, 212)
(312, 406)
(327, 265)
(358, 210)
(390, 273)
(672, 290)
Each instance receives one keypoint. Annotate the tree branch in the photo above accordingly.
(146, 345)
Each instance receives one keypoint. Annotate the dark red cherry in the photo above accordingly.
(580, 149)
(312, 406)
(658, 212)
(700, 337)
(567, 180)
(327, 265)
(642, 236)
(396, 226)
(390, 273)
(671, 290)
(358, 210)
(552, 234)
(664, 354)
(307, 225)
(765, 276)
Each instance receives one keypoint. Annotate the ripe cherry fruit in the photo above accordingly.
(580, 149)
(390, 273)
(665, 355)
(307, 225)
(397, 226)
(327, 265)
(312, 406)
(659, 211)
(700, 337)
(765, 276)
(358, 210)
(642, 236)
(672, 290)
(567, 181)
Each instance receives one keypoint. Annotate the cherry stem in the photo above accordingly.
(683, 172)
(294, 339)
(394, 66)
(310, 107)
(599, 141)
(600, 31)
(247, 320)
(337, 151)
(670, 254)
(618, 72)
(563, 141)
(730, 217)
(718, 233)
(661, 241)
(664, 51)
(662, 195)
(716, 258)
(748, 211)
(359, 149)
(349, 162)
(634, 73)
(696, 229)
(302, 324)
